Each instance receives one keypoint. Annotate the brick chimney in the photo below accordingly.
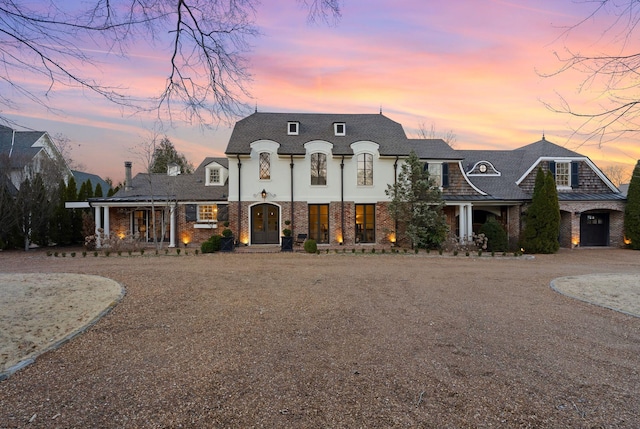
(127, 176)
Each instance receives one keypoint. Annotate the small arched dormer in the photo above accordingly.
(483, 168)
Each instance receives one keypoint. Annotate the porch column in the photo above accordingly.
(172, 229)
(96, 211)
(106, 221)
(462, 222)
(469, 221)
(465, 222)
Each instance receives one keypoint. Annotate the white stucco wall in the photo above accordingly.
(279, 185)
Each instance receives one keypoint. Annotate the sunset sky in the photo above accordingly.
(472, 67)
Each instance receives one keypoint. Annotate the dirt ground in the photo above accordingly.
(337, 340)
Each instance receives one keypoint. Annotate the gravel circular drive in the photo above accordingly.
(337, 340)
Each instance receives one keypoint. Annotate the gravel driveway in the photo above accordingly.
(337, 340)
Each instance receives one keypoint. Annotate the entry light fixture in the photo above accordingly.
(264, 194)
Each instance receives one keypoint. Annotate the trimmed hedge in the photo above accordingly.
(310, 246)
(212, 245)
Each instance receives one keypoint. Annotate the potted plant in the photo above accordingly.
(287, 239)
(226, 241)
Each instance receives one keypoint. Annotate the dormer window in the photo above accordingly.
(483, 168)
(215, 175)
(293, 128)
(340, 128)
(565, 173)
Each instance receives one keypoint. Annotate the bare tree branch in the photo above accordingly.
(430, 133)
(205, 43)
(614, 77)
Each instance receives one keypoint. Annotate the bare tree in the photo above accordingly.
(161, 187)
(612, 75)
(430, 133)
(617, 173)
(63, 43)
(64, 145)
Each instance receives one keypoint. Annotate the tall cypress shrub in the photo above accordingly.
(632, 210)
(542, 217)
(551, 215)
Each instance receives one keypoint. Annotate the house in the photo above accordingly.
(174, 208)
(23, 154)
(328, 173)
(591, 207)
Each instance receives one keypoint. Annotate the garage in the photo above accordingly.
(594, 229)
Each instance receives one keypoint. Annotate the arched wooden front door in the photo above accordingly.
(265, 221)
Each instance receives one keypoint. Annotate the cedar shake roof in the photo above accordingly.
(317, 126)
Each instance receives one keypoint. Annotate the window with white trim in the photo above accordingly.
(563, 174)
(214, 175)
(319, 168)
(435, 173)
(365, 169)
(293, 128)
(340, 129)
(207, 212)
(265, 166)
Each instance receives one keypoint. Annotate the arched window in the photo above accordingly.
(365, 169)
(318, 168)
(265, 166)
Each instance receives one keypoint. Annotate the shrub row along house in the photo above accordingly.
(327, 175)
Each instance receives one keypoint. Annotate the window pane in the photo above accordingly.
(365, 223)
(265, 165)
(563, 174)
(319, 222)
(214, 175)
(207, 212)
(435, 172)
(365, 169)
(318, 169)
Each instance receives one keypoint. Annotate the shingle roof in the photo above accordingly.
(183, 187)
(577, 196)
(19, 145)
(81, 177)
(317, 126)
(433, 149)
(511, 164)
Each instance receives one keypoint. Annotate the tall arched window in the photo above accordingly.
(365, 169)
(265, 166)
(318, 168)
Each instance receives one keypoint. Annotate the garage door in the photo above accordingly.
(594, 229)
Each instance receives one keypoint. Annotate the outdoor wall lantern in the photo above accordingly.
(264, 194)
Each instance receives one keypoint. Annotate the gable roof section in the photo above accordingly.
(544, 150)
(516, 164)
(20, 145)
(81, 177)
(388, 134)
